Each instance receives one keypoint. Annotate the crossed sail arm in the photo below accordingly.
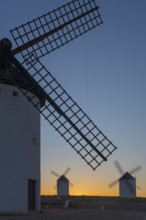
(57, 28)
(64, 114)
(41, 36)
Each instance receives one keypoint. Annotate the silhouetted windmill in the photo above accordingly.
(62, 183)
(40, 37)
(21, 123)
(127, 183)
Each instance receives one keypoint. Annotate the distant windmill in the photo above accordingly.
(127, 183)
(62, 183)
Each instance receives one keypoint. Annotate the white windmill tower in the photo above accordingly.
(62, 183)
(20, 123)
(127, 183)
(19, 143)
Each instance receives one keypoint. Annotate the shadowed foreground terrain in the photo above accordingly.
(80, 214)
(95, 202)
(86, 208)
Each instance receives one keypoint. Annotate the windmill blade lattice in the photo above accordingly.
(135, 169)
(62, 112)
(66, 171)
(55, 174)
(38, 38)
(119, 167)
(55, 29)
(113, 183)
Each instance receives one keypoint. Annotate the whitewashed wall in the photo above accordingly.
(127, 190)
(62, 187)
(19, 150)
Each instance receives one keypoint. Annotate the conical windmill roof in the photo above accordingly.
(63, 178)
(127, 176)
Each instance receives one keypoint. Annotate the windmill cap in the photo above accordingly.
(5, 42)
(62, 178)
(127, 176)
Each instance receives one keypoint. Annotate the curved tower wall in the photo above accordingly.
(19, 152)
(62, 186)
(127, 190)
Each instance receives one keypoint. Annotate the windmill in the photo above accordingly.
(127, 183)
(62, 183)
(26, 85)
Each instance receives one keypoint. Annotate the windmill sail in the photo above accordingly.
(57, 28)
(64, 114)
(40, 37)
(126, 178)
(119, 167)
(135, 169)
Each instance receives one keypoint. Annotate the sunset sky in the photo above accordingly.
(104, 71)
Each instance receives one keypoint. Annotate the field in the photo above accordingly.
(86, 208)
(95, 202)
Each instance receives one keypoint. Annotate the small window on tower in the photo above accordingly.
(15, 93)
(34, 141)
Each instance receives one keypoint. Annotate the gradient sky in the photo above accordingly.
(104, 72)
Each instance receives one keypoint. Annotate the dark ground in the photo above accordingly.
(96, 202)
(86, 208)
(80, 214)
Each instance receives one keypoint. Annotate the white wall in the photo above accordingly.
(127, 190)
(19, 150)
(62, 188)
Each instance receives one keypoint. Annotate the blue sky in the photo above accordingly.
(104, 72)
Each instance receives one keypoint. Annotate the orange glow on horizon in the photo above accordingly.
(80, 192)
(89, 183)
(88, 192)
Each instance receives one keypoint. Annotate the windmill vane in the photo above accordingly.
(127, 183)
(34, 40)
(62, 183)
(62, 112)
(54, 29)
